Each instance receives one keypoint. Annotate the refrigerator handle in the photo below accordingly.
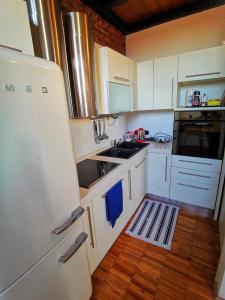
(74, 248)
(74, 216)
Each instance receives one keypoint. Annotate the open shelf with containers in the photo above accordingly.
(213, 88)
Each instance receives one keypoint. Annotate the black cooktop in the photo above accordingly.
(90, 171)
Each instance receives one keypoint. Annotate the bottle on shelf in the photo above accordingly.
(189, 98)
(196, 98)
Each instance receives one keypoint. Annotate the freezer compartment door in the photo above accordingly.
(53, 278)
(38, 180)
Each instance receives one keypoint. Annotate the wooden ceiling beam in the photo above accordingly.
(175, 14)
(112, 3)
(107, 14)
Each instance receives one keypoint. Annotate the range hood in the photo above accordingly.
(80, 54)
(66, 40)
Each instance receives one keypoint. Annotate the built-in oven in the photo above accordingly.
(199, 133)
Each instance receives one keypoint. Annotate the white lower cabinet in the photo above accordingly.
(195, 180)
(137, 183)
(159, 166)
(91, 239)
(105, 234)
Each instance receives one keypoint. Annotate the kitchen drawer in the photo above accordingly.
(196, 163)
(201, 194)
(195, 175)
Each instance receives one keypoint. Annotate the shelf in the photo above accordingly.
(199, 108)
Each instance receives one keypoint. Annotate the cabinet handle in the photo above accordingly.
(103, 196)
(90, 226)
(193, 186)
(129, 177)
(121, 79)
(74, 248)
(172, 92)
(203, 74)
(196, 162)
(74, 216)
(192, 174)
(166, 170)
(140, 163)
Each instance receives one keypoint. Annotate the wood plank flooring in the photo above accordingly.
(133, 269)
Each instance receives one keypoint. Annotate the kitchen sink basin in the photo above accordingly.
(131, 145)
(123, 150)
(118, 152)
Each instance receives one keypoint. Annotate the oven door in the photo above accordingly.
(199, 134)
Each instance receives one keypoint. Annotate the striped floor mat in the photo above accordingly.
(154, 223)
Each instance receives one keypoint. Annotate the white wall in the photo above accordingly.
(83, 135)
(154, 121)
(201, 30)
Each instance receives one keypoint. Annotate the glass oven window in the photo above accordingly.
(200, 135)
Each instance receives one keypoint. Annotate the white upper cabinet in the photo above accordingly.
(165, 82)
(15, 29)
(202, 64)
(145, 85)
(118, 66)
(114, 81)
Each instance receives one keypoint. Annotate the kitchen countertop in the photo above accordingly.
(124, 165)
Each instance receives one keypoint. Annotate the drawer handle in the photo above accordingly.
(203, 74)
(140, 163)
(195, 162)
(103, 196)
(193, 186)
(192, 174)
(166, 170)
(74, 248)
(74, 216)
(90, 226)
(121, 78)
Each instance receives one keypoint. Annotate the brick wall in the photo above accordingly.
(104, 33)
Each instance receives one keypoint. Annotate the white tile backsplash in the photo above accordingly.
(154, 121)
(83, 135)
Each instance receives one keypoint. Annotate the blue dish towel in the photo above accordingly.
(114, 203)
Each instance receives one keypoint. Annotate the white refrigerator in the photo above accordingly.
(42, 242)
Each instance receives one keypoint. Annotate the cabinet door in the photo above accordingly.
(159, 166)
(202, 64)
(118, 66)
(105, 234)
(12, 13)
(165, 82)
(120, 97)
(145, 85)
(138, 183)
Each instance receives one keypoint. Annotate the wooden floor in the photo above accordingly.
(134, 269)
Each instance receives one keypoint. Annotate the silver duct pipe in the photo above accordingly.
(80, 53)
(49, 43)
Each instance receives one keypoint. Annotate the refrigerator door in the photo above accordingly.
(51, 279)
(38, 179)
